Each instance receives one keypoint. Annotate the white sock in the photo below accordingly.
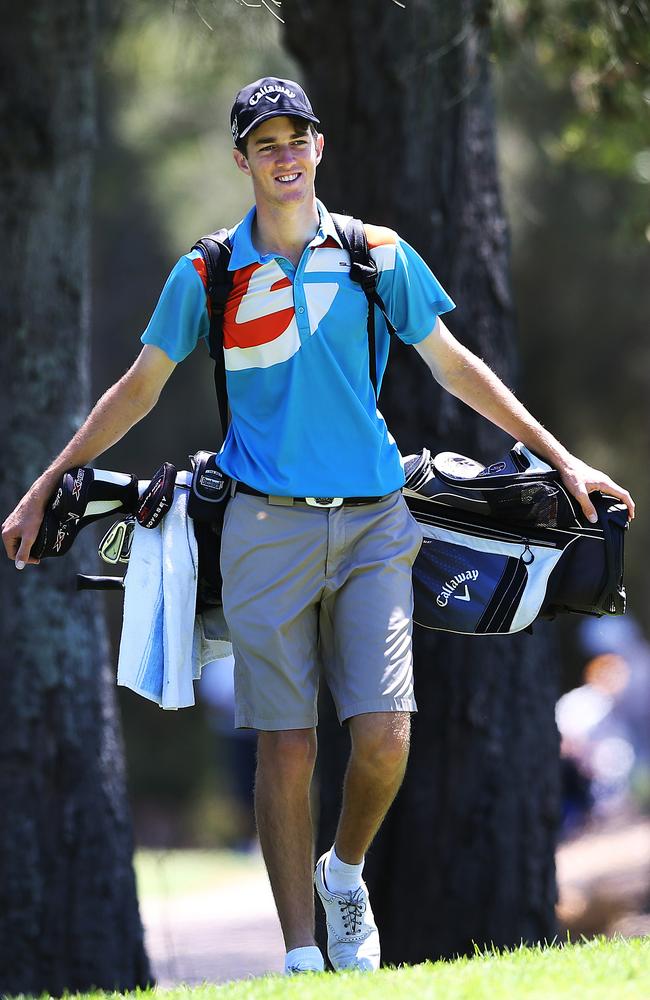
(340, 876)
(307, 959)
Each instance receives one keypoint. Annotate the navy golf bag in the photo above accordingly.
(507, 544)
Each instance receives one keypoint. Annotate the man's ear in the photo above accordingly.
(241, 161)
(320, 145)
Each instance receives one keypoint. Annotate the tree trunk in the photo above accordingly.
(467, 852)
(68, 911)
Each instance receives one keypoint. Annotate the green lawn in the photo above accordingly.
(594, 970)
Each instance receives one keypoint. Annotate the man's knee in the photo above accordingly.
(381, 740)
(288, 754)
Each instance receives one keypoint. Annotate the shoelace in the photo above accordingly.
(352, 910)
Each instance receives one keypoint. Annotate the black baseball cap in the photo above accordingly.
(268, 98)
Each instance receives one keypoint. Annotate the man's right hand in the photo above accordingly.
(119, 409)
(20, 528)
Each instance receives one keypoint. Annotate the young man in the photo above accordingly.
(318, 543)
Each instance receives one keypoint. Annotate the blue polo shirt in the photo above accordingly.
(305, 420)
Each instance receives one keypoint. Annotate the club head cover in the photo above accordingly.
(83, 495)
(157, 498)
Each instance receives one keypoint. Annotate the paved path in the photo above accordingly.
(229, 932)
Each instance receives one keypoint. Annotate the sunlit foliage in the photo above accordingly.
(598, 50)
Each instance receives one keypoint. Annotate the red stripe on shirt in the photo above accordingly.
(258, 331)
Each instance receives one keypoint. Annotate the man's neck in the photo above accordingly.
(285, 230)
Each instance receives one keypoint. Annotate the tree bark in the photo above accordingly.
(466, 854)
(68, 910)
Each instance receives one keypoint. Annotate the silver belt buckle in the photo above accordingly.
(324, 501)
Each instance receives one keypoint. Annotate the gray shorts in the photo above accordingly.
(307, 589)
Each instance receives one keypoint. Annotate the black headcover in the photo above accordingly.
(157, 498)
(83, 495)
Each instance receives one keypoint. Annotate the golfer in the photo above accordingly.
(318, 543)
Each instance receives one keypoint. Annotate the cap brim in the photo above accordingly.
(280, 113)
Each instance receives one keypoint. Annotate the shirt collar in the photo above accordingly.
(244, 252)
(327, 227)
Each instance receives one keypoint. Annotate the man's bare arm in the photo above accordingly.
(121, 406)
(472, 381)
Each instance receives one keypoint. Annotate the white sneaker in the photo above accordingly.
(352, 935)
(308, 959)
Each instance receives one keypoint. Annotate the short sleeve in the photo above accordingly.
(412, 294)
(180, 318)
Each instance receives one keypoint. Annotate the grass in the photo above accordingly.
(601, 969)
(616, 969)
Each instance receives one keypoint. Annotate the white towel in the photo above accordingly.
(211, 639)
(162, 648)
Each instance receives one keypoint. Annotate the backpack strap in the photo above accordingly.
(215, 249)
(363, 270)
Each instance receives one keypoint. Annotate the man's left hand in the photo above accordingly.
(580, 480)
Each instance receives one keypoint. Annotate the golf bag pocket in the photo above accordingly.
(537, 502)
(477, 584)
(209, 496)
(210, 489)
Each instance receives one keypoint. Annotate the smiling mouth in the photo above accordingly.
(287, 178)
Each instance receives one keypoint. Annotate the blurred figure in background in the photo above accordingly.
(605, 726)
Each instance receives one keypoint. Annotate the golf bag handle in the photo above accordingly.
(86, 582)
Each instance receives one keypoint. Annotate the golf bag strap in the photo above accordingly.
(215, 249)
(363, 270)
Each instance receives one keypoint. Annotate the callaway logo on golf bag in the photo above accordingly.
(449, 588)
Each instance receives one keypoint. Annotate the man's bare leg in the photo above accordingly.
(285, 765)
(380, 743)
(380, 746)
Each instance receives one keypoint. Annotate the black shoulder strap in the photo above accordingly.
(215, 249)
(363, 270)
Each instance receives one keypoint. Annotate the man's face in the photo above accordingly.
(281, 159)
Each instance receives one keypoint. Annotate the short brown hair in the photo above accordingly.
(296, 121)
